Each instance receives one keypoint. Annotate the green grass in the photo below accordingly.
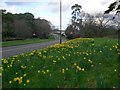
(26, 41)
(78, 63)
(0, 43)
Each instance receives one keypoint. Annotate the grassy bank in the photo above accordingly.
(78, 63)
(26, 41)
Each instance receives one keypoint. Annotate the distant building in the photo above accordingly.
(56, 31)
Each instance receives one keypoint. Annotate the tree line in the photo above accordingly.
(23, 26)
(98, 25)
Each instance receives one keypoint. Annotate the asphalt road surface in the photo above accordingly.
(15, 50)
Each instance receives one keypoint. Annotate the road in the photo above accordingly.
(15, 50)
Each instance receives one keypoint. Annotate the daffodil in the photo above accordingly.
(47, 70)
(44, 57)
(43, 72)
(93, 44)
(66, 68)
(92, 65)
(24, 75)
(110, 49)
(38, 71)
(79, 68)
(83, 69)
(94, 51)
(63, 70)
(87, 54)
(54, 61)
(5, 61)
(75, 64)
(100, 51)
(0, 74)
(15, 79)
(27, 81)
(24, 84)
(115, 70)
(84, 58)
(10, 82)
(23, 67)
(89, 61)
(1, 68)
(58, 59)
(10, 65)
(63, 57)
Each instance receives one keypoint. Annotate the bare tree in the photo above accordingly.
(102, 20)
(115, 6)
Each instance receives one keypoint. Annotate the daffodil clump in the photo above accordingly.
(79, 63)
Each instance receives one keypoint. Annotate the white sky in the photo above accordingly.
(49, 9)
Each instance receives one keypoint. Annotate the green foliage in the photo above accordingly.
(23, 25)
(42, 28)
(78, 63)
(7, 20)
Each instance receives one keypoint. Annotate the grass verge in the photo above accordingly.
(26, 41)
(78, 63)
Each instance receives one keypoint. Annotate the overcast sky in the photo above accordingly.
(49, 9)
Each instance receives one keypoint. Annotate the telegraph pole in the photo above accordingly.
(60, 20)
